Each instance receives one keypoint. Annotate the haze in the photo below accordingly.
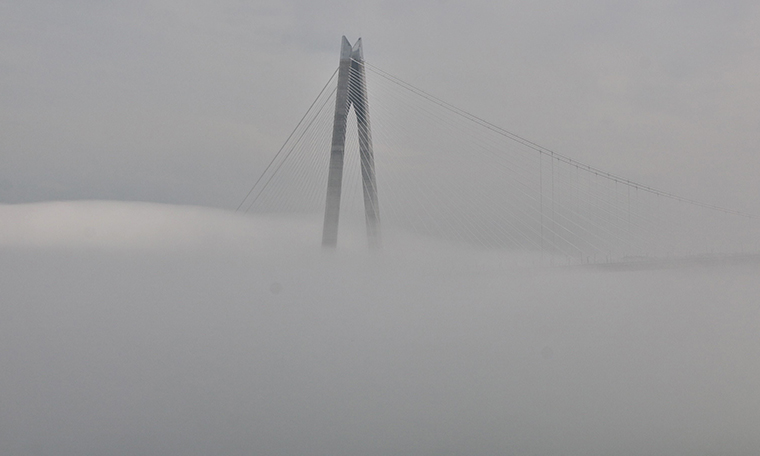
(139, 314)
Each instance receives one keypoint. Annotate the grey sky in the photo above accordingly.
(185, 102)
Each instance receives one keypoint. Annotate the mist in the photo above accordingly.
(216, 333)
(568, 199)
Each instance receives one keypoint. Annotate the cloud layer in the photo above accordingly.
(241, 340)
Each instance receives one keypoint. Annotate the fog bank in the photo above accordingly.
(132, 328)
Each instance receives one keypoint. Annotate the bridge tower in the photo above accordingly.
(352, 90)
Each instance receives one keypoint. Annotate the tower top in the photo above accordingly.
(357, 53)
(348, 52)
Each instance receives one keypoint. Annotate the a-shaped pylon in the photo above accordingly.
(352, 90)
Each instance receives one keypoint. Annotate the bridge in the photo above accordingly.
(425, 167)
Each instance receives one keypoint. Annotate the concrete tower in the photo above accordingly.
(352, 90)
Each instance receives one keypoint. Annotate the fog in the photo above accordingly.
(140, 315)
(134, 328)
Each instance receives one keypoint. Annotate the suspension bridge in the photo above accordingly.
(409, 162)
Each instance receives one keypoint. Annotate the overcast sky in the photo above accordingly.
(186, 101)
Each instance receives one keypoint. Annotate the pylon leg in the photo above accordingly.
(335, 174)
(358, 97)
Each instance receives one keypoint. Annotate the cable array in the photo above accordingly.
(446, 173)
